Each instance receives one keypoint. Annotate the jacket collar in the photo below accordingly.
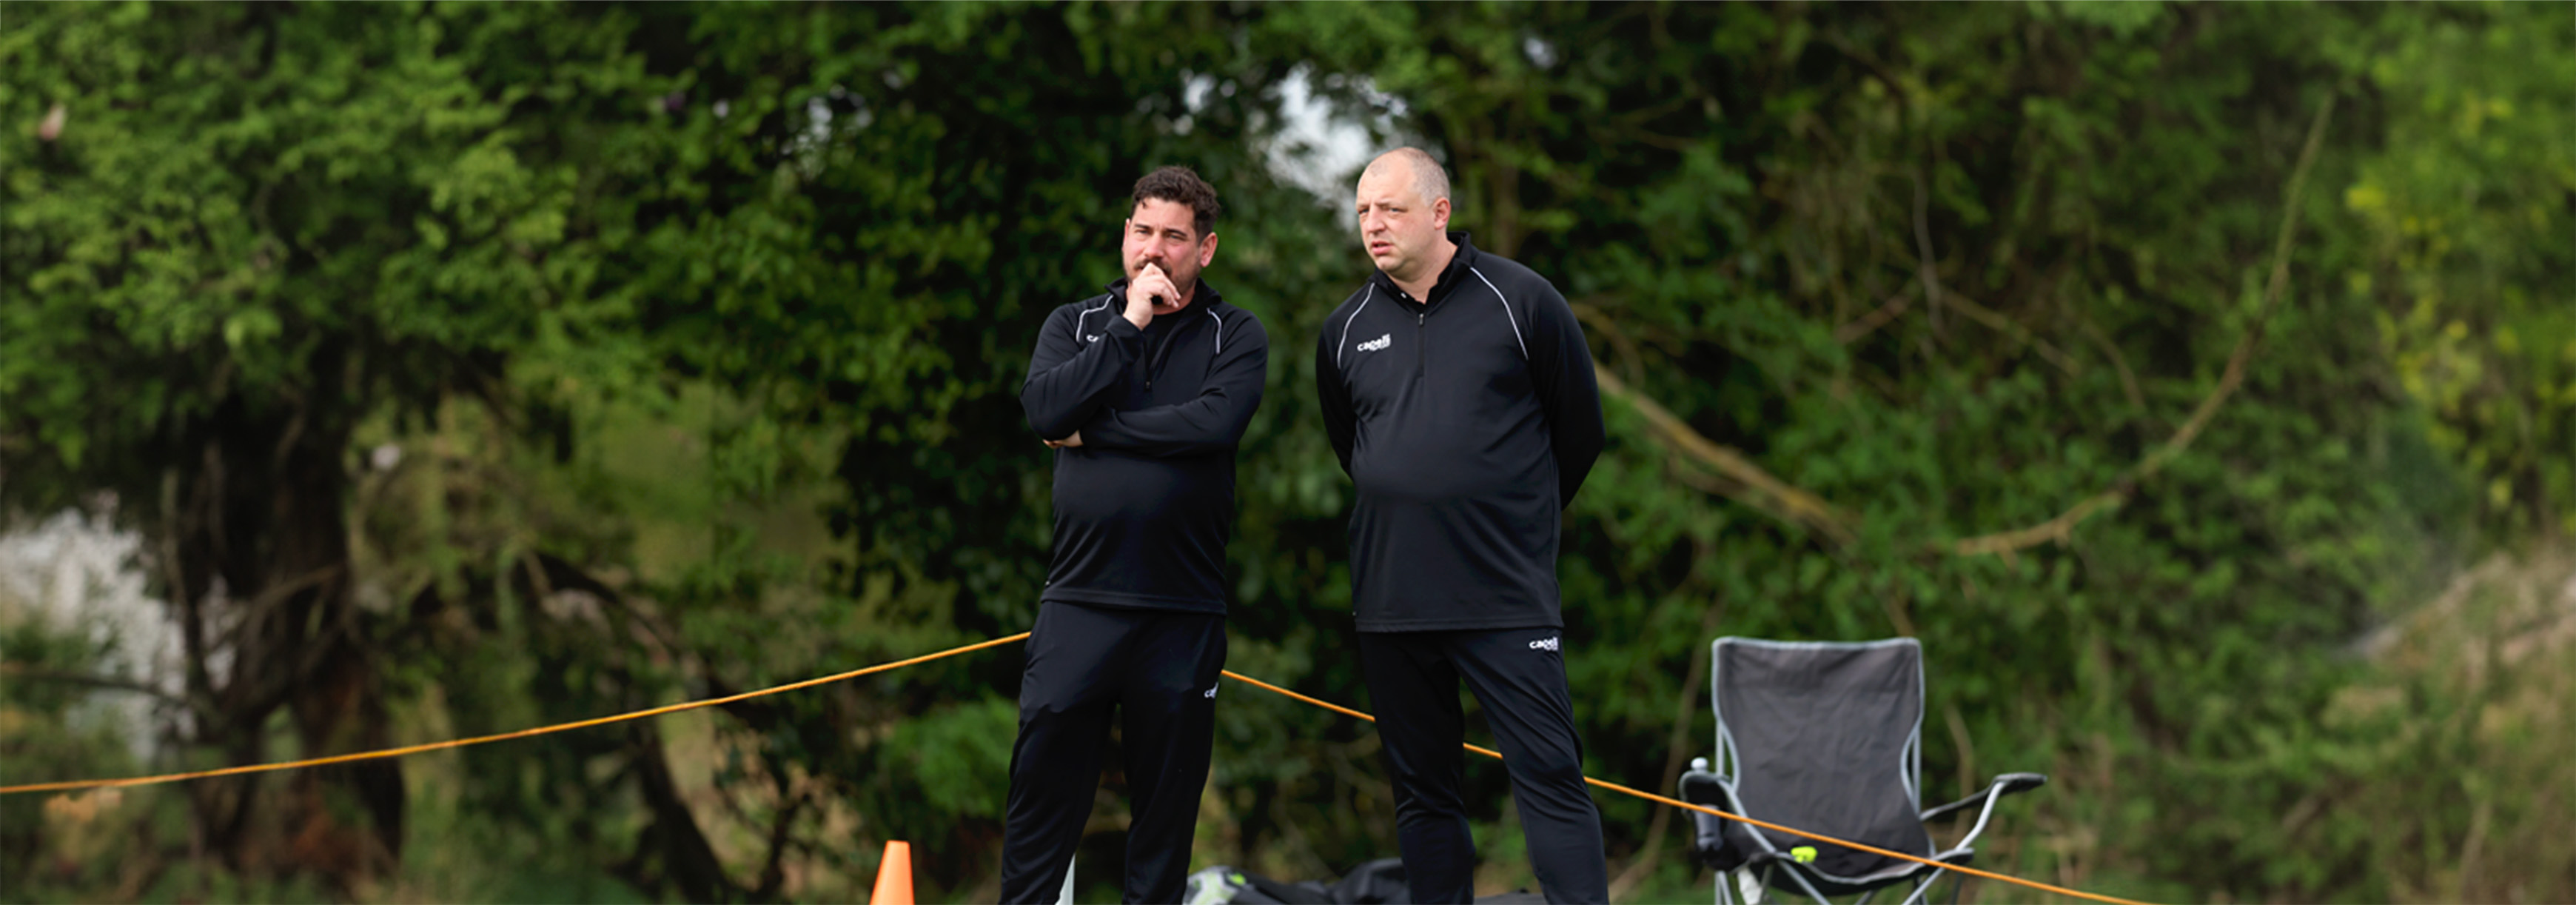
(1449, 276)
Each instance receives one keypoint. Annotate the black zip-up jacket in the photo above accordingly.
(1144, 506)
(1466, 421)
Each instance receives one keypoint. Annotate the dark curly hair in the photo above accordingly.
(1180, 185)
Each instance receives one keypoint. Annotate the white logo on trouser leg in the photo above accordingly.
(1211, 693)
(1547, 643)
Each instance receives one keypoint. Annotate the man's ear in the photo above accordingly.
(1207, 250)
(1440, 214)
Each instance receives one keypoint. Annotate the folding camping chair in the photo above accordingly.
(1827, 738)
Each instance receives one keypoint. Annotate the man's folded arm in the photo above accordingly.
(1069, 378)
(1214, 420)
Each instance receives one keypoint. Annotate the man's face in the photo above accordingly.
(1396, 226)
(1165, 234)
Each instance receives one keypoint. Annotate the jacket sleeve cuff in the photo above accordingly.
(1122, 329)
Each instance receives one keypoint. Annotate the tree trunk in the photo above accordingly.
(262, 549)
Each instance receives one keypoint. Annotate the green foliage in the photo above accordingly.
(41, 733)
(2467, 215)
(628, 354)
(1734, 221)
(2459, 732)
(359, 202)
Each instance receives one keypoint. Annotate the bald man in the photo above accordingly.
(1458, 393)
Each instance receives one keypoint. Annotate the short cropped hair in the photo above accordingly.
(1429, 179)
(1180, 185)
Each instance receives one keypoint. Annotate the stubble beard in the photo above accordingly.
(1184, 281)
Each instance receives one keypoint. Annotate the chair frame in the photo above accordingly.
(1764, 867)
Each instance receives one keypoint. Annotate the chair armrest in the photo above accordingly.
(1698, 786)
(1721, 844)
(1985, 802)
(2006, 784)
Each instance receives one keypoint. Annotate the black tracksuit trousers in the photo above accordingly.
(1158, 669)
(1519, 677)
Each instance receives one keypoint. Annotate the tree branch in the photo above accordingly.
(2063, 526)
(2009, 327)
(107, 683)
(1746, 481)
(1651, 850)
(773, 873)
(1876, 318)
(2128, 379)
(2057, 529)
(192, 617)
(1925, 270)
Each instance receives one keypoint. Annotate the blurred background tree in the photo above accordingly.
(467, 367)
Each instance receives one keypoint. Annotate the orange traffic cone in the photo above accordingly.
(894, 876)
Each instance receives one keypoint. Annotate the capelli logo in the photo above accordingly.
(1382, 341)
(1548, 643)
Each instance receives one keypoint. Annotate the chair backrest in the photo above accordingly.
(1825, 737)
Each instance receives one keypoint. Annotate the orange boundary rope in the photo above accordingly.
(1650, 796)
(481, 739)
(75, 785)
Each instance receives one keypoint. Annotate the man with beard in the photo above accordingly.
(1458, 392)
(1143, 392)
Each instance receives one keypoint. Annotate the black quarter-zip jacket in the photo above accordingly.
(1466, 421)
(1144, 506)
